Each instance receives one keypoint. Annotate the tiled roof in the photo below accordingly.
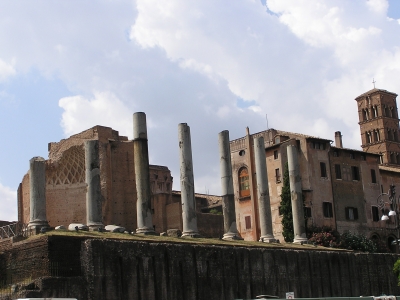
(374, 91)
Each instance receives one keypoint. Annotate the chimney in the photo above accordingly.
(338, 139)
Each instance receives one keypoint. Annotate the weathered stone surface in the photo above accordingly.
(174, 232)
(115, 228)
(74, 226)
(111, 269)
(163, 234)
(60, 227)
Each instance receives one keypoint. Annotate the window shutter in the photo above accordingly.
(355, 211)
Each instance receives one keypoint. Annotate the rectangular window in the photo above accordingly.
(373, 176)
(323, 169)
(354, 173)
(328, 212)
(351, 213)
(276, 154)
(307, 212)
(338, 172)
(336, 153)
(280, 210)
(352, 155)
(320, 146)
(375, 213)
(247, 220)
(277, 175)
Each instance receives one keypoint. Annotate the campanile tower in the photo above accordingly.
(379, 125)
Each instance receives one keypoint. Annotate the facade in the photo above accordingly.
(66, 187)
(340, 186)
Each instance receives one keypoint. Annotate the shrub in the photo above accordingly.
(359, 242)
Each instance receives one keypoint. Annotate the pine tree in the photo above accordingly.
(286, 208)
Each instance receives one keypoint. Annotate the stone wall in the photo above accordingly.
(132, 270)
(122, 269)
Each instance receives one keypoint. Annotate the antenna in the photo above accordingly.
(373, 81)
(266, 117)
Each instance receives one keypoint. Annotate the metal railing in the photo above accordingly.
(14, 229)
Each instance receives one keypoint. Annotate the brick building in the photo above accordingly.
(340, 186)
(66, 186)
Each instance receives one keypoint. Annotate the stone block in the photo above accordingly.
(115, 228)
(75, 226)
(174, 232)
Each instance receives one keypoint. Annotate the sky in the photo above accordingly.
(66, 66)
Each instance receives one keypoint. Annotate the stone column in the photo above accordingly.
(142, 175)
(37, 189)
(264, 206)
(296, 195)
(189, 217)
(228, 197)
(94, 215)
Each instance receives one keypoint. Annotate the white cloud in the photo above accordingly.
(104, 109)
(378, 6)
(6, 70)
(301, 62)
(8, 198)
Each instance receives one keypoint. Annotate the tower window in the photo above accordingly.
(369, 140)
(365, 115)
(352, 155)
(276, 154)
(392, 158)
(386, 111)
(323, 169)
(244, 186)
(375, 111)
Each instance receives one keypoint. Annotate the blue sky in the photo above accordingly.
(216, 65)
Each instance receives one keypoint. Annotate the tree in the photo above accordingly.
(286, 208)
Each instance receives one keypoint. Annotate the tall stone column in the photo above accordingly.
(37, 188)
(189, 217)
(264, 205)
(228, 197)
(94, 215)
(296, 195)
(142, 175)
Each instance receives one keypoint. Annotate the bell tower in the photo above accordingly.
(379, 125)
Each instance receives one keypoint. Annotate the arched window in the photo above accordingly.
(366, 114)
(375, 111)
(368, 134)
(386, 111)
(244, 186)
(376, 138)
(390, 137)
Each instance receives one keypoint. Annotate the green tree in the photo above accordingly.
(396, 270)
(286, 208)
